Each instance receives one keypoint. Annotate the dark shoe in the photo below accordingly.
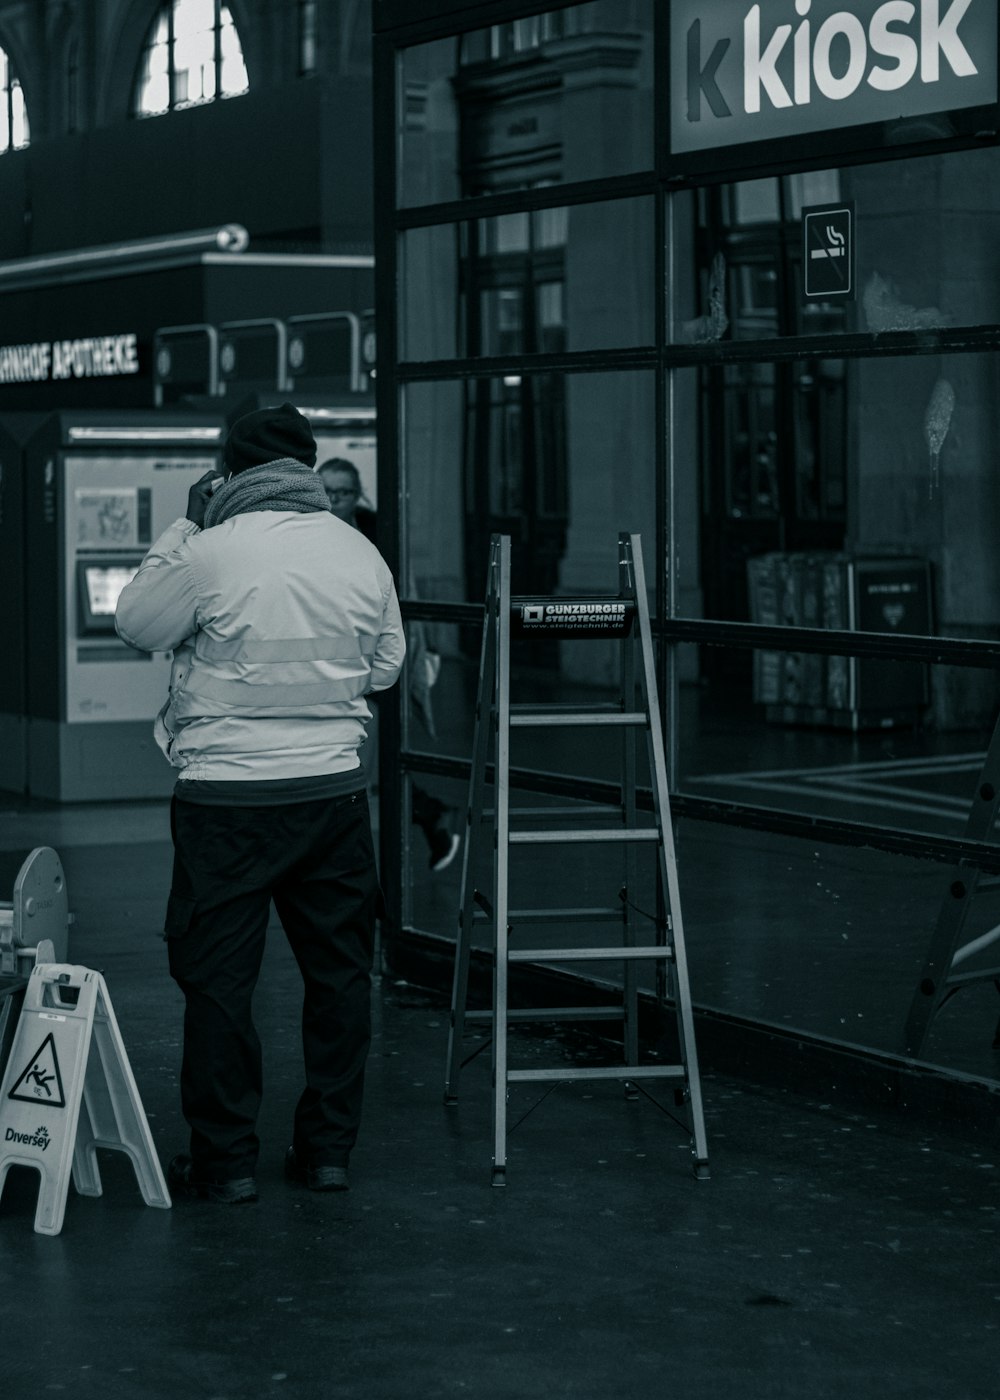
(235, 1192)
(444, 844)
(317, 1178)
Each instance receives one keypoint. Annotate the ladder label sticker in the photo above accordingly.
(41, 1081)
(605, 616)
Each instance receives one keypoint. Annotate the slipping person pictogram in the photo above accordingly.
(41, 1081)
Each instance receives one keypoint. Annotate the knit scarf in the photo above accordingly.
(284, 484)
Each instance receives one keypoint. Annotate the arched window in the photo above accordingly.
(193, 54)
(13, 116)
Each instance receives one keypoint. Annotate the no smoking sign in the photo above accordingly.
(828, 251)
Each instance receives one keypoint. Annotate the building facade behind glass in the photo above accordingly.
(727, 280)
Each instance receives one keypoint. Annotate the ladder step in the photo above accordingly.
(520, 1076)
(546, 916)
(554, 1013)
(962, 979)
(541, 838)
(605, 707)
(629, 954)
(547, 719)
(597, 809)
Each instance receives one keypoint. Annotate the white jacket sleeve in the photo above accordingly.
(391, 646)
(159, 608)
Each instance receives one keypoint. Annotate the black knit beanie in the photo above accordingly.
(266, 435)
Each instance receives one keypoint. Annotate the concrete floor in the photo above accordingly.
(832, 1253)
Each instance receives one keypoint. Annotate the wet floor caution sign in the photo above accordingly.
(42, 1082)
(67, 1090)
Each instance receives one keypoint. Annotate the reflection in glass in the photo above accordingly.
(526, 283)
(888, 457)
(528, 103)
(828, 941)
(925, 234)
(559, 462)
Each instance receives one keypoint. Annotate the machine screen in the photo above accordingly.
(99, 582)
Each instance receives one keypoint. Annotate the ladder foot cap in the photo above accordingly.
(450, 1100)
(701, 1171)
(499, 1176)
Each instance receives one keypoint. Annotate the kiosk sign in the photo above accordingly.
(759, 72)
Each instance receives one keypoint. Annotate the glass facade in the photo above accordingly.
(591, 333)
(519, 105)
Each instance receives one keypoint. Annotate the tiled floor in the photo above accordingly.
(831, 1253)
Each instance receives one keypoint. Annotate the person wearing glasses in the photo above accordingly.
(342, 483)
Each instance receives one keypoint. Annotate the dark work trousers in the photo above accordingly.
(316, 861)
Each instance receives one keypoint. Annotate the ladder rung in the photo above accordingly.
(546, 719)
(553, 916)
(596, 809)
(607, 707)
(632, 833)
(600, 1072)
(546, 916)
(629, 954)
(555, 1013)
(962, 979)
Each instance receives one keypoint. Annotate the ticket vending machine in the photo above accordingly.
(99, 488)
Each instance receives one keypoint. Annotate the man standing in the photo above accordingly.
(282, 619)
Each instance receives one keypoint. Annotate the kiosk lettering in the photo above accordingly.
(742, 67)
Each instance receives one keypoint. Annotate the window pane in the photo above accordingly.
(565, 96)
(558, 462)
(824, 460)
(19, 117)
(194, 51)
(153, 94)
(14, 133)
(519, 285)
(233, 79)
(925, 231)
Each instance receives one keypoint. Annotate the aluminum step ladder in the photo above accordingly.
(951, 964)
(624, 617)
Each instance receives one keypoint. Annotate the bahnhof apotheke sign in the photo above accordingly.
(90, 358)
(757, 72)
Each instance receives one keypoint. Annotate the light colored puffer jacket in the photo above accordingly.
(280, 624)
